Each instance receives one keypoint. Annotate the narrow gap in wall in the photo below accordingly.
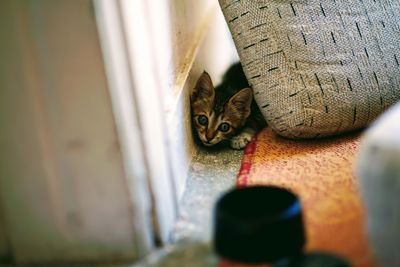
(155, 224)
(160, 59)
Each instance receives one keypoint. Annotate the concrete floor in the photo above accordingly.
(213, 171)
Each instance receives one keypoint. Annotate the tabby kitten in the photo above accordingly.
(227, 112)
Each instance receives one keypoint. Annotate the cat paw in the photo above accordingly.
(240, 141)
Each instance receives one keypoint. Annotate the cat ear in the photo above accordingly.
(240, 103)
(204, 88)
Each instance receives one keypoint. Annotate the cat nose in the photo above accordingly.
(210, 135)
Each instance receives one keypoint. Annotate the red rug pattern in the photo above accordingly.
(321, 173)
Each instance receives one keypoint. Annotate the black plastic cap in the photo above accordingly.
(260, 224)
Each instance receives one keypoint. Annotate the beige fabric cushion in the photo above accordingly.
(318, 67)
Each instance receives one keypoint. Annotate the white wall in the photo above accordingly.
(63, 185)
(169, 45)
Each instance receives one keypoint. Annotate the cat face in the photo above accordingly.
(214, 120)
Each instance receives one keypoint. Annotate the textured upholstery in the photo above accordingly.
(318, 67)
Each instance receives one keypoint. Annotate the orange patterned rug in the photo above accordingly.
(321, 173)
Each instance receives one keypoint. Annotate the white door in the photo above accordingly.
(68, 191)
(95, 139)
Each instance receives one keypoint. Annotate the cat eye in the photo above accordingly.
(202, 120)
(224, 127)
